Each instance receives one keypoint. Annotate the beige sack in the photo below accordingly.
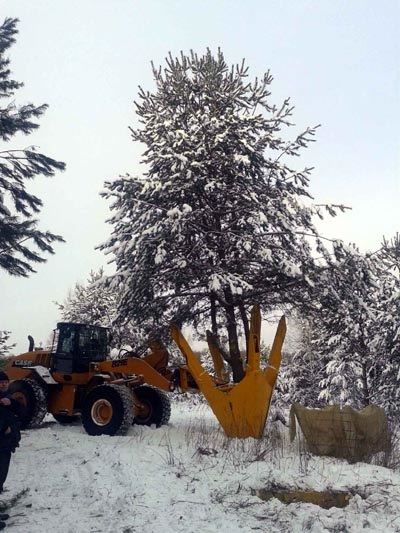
(343, 433)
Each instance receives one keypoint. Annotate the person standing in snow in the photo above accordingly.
(9, 428)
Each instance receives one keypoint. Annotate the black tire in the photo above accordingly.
(66, 419)
(108, 410)
(152, 406)
(33, 399)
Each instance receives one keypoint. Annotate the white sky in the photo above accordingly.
(338, 61)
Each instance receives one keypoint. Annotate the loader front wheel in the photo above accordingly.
(152, 406)
(33, 401)
(108, 410)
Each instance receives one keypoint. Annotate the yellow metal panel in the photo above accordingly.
(217, 358)
(274, 361)
(61, 399)
(38, 357)
(80, 378)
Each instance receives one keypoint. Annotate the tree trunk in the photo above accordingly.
(214, 325)
(366, 398)
(364, 378)
(246, 328)
(234, 352)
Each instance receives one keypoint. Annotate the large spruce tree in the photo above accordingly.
(21, 242)
(220, 219)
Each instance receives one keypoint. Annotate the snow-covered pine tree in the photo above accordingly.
(89, 303)
(353, 342)
(95, 303)
(344, 314)
(5, 347)
(385, 340)
(301, 374)
(21, 242)
(217, 221)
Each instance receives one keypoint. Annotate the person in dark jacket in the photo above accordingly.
(9, 428)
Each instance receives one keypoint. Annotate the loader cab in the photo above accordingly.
(77, 345)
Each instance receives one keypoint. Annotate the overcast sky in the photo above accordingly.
(337, 60)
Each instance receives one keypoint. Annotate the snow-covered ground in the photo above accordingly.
(185, 477)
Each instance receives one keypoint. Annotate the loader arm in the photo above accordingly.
(134, 366)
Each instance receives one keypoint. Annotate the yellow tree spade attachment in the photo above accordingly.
(241, 408)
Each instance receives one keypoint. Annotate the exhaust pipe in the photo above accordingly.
(31, 343)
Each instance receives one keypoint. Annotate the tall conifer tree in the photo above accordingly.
(220, 219)
(21, 242)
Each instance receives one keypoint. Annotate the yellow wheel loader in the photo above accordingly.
(76, 379)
